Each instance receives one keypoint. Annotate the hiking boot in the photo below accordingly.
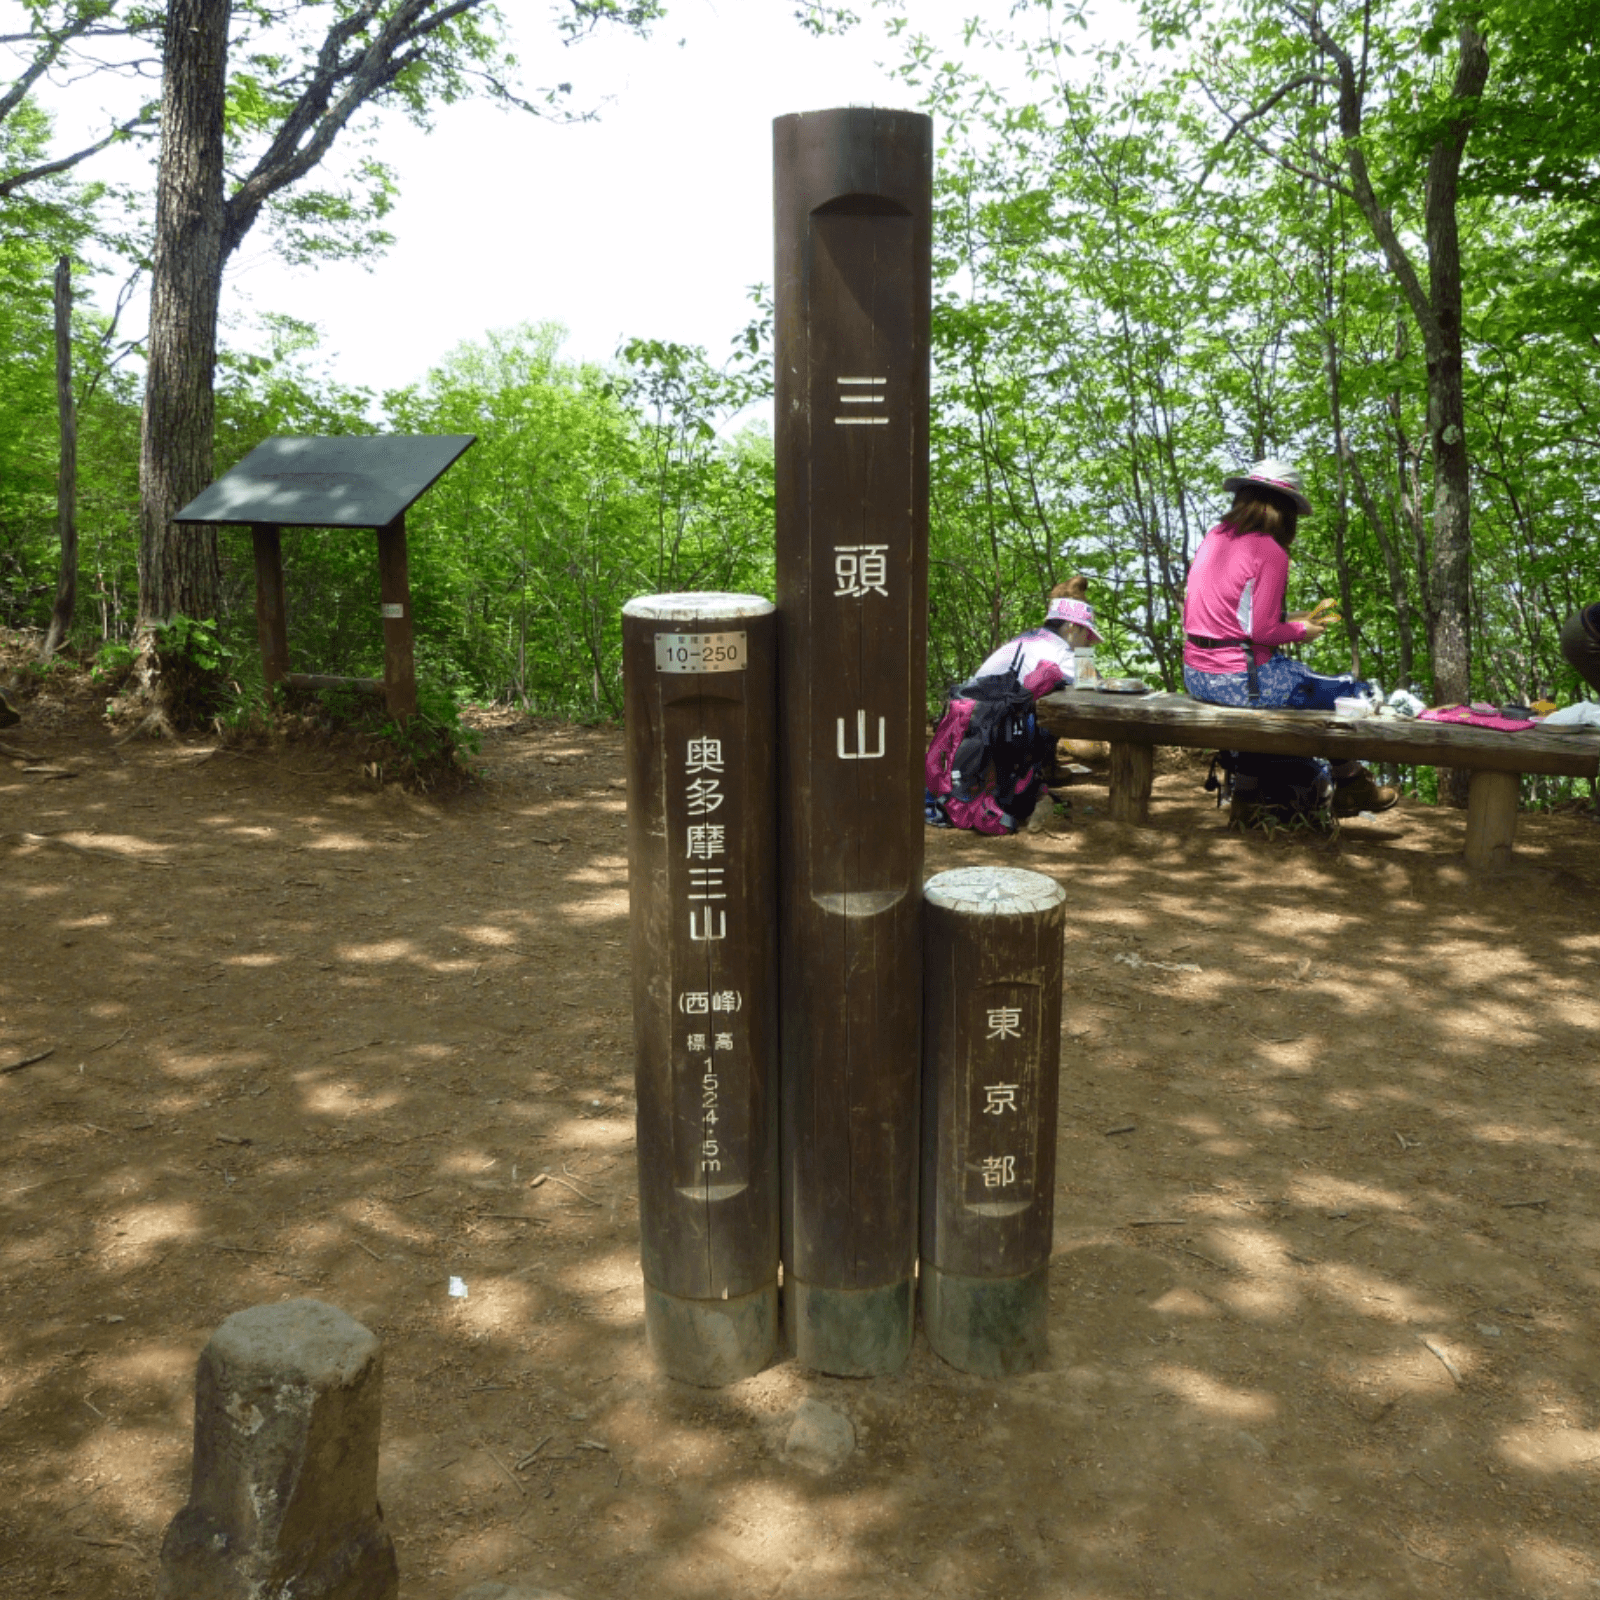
(1359, 793)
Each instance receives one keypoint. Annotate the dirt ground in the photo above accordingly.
(1327, 1246)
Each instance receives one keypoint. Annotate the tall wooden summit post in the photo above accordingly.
(853, 202)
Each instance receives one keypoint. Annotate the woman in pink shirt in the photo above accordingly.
(1233, 616)
(1235, 594)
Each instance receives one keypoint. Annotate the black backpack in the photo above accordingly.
(1285, 790)
(988, 758)
(1002, 732)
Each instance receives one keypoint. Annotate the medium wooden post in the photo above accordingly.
(699, 675)
(853, 196)
(394, 595)
(993, 939)
(272, 619)
(1491, 820)
(1132, 771)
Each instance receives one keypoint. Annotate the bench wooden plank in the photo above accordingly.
(1176, 719)
(1133, 724)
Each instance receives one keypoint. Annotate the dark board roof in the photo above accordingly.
(359, 481)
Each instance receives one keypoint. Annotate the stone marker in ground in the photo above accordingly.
(820, 1439)
(284, 1497)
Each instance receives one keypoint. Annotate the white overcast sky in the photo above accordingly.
(652, 221)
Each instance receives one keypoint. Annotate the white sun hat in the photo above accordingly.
(1273, 474)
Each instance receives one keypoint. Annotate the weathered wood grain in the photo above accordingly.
(1175, 719)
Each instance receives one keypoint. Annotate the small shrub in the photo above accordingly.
(193, 664)
(113, 662)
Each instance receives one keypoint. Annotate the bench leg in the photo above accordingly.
(1132, 767)
(1491, 820)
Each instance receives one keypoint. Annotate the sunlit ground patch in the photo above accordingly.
(1214, 1397)
(1321, 1191)
(1552, 1450)
(140, 1231)
(1182, 1302)
(1545, 1568)
(340, 842)
(1269, 1289)
(345, 1099)
(1370, 1294)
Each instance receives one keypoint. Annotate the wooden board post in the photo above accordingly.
(272, 620)
(1491, 820)
(852, 296)
(993, 941)
(1132, 772)
(699, 675)
(394, 596)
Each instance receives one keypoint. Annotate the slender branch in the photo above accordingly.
(324, 109)
(143, 118)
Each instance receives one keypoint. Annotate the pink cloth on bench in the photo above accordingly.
(1476, 719)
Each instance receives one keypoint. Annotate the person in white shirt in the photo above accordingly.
(1046, 662)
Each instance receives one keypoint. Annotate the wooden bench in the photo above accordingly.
(1134, 724)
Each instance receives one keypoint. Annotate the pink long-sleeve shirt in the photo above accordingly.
(1235, 591)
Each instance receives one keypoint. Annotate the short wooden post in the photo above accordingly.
(1491, 820)
(699, 673)
(1132, 772)
(284, 1494)
(991, 1028)
(272, 620)
(394, 595)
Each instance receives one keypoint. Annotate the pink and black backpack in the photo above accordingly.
(986, 766)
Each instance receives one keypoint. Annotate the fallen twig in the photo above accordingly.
(1157, 1222)
(241, 1249)
(27, 1061)
(1445, 1361)
(1513, 1205)
(1122, 1127)
(370, 1251)
(574, 1188)
(515, 1481)
(366, 1044)
(109, 1042)
(533, 1452)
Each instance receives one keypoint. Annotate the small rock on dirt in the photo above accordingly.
(821, 1438)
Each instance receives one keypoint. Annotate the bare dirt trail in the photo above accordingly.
(1327, 1260)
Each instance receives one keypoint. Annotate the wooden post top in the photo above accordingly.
(993, 892)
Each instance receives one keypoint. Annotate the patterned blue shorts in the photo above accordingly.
(1278, 675)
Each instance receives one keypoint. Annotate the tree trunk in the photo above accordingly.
(67, 476)
(1450, 619)
(179, 569)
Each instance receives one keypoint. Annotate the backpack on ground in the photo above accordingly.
(1271, 790)
(986, 766)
